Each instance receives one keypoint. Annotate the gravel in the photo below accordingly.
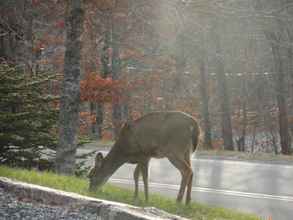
(13, 208)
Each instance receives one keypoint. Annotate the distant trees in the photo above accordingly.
(16, 27)
(247, 38)
(278, 32)
(281, 93)
(237, 78)
(22, 32)
(223, 93)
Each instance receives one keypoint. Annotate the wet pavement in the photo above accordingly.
(260, 188)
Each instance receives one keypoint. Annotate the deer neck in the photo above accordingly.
(111, 163)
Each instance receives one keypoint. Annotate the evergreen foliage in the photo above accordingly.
(28, 118)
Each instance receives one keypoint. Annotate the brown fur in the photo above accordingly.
(174, 135)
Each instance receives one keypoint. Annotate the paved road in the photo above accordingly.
(259, 188)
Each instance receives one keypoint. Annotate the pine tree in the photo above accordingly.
(27, 118)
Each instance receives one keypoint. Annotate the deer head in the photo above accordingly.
(104, 168)
(95, 179)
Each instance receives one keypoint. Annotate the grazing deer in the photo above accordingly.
(174, 135)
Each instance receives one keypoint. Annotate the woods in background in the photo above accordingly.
(229, 63)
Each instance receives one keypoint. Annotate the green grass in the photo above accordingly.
(113, 193)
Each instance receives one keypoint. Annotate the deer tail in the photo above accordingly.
(197, 137)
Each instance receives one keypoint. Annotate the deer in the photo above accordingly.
(167, 134)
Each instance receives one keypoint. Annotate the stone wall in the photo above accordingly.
(105, 210)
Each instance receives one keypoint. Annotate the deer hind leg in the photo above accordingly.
(186, 173)
(189, 184)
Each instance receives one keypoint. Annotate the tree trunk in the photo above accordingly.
(205, 103)
(223, 96)
(242, 140)
(225, 111)
(178, 89)
(281, 100)
(70, 94)
(120, 109)
(99, 120)
(244, 125)
(105, 72)
(253, 137)
(105, 59)
(180, 56)
(28, 56)
(290, 72)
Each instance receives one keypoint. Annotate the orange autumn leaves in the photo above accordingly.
(94, 88)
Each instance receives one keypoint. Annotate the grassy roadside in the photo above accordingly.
(73, 184)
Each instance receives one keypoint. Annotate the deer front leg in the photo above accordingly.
(144, 170)
(136, 178)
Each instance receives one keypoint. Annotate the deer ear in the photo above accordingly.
(99, 156)
(99, 160)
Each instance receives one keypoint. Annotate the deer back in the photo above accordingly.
(158, 134)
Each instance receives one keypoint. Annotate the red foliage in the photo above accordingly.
(94, 88)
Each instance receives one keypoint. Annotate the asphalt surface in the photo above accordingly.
(260, 188)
